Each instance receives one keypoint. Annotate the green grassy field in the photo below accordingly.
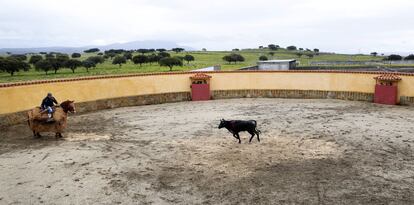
(202, 59)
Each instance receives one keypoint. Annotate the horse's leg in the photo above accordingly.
(58, 135)
(36, 134)
(252, 133)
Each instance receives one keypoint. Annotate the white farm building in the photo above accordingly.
(276, 64)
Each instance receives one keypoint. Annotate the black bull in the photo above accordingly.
(236, 126)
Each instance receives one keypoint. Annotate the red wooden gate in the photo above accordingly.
(386, 89)
(200, 92)
(200, 87)
(385, 94)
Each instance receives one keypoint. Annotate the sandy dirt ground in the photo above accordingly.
(311, 152)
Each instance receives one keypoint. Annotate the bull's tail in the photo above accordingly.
(255, 126)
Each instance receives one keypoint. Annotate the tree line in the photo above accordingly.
(162, 57)
(395, 57)
(12, 65)
(54, 61)
(275, 47)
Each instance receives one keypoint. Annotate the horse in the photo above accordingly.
(38, 122)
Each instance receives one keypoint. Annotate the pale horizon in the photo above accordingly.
(332, 26)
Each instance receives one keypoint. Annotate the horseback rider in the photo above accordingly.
(48, 102)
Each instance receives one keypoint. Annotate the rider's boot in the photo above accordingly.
(49, 119)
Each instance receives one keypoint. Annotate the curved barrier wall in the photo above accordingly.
(94, 93)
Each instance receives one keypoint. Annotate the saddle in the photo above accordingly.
(43, 117)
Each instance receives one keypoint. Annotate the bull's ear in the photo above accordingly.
(72, 101)
(222, 120)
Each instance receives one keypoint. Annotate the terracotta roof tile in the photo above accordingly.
(388, 77)
(200, 76)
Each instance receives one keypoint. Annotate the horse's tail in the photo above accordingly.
(29, 116)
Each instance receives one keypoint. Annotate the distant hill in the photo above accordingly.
(144, 44)
(127, 46)
(42, 49)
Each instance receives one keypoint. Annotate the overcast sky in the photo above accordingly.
(349, 26)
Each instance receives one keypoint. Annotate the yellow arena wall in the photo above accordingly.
(28, 96)
(18, 97)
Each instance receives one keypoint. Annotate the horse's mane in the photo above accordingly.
(65, 105)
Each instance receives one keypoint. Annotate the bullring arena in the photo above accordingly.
(139, 140)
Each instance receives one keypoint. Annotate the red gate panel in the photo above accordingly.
(386, 94)
(200, 92)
